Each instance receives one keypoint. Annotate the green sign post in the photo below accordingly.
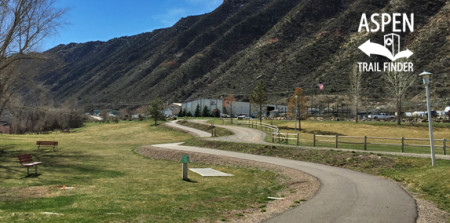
(185, 161)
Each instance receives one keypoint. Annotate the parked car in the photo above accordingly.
(224, 115)
(434, 114)
(243, 116)
(381, 116)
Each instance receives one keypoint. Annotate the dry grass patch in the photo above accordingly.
(111, 183)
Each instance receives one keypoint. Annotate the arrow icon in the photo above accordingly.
(405, 53)
(370, 48)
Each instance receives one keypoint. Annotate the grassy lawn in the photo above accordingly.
(416, 174)
(370, 129)
(112, 183)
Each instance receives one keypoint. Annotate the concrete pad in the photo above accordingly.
(208, 172)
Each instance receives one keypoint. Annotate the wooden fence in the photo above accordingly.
(336, 139)
(285, 137)
(258, 125)
(364, 140)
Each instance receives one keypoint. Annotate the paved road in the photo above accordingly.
(242, 134)
(344, 195)
(195, 132)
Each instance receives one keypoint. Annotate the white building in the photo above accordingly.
(237, 108)
(172, 109)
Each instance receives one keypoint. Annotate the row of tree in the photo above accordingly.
(42, 120)
(396, 83)
(200, 113)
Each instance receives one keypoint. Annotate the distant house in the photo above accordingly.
(5, 127)
(172, 109)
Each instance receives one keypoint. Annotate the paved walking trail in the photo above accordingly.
(344, 195)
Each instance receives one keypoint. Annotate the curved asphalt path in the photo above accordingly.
(173, 124)
(344, 195)
(249, 135)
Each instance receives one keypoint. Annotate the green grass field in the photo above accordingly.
(112, 183)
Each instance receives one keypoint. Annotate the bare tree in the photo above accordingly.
(259, 97)
(228, 101)
(297, 106)
(397, 84)
(23, 25)
(355, 89)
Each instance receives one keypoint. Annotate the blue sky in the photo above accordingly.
(91, 20)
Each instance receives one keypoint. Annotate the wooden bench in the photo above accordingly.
(47, 143)
(26, 160)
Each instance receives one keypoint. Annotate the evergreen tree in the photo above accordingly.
(181, 113)
(189, 114)
(205, 112)
(216, 113)
(197, 111)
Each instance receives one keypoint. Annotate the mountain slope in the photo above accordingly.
(287, 43)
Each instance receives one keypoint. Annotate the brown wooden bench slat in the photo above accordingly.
(47, 143)
(26, 160)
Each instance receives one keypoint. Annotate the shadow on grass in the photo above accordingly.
(58, 167)
(190, 181)
(32, 175)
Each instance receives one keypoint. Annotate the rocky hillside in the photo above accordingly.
(286, 43)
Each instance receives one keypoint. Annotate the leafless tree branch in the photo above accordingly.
(23, 25)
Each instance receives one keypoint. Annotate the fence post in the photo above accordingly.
(403, 144)
(212, 132)
(314, 140)
(337, 139)
(279, 136)
(298, 137)
(287, 138)
(444, 146)
(273, 140)
(365, 142)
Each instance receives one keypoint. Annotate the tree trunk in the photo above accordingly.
(231, 112)
(260, 114)
(399, 111)
(356, 110)
(299, 123)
